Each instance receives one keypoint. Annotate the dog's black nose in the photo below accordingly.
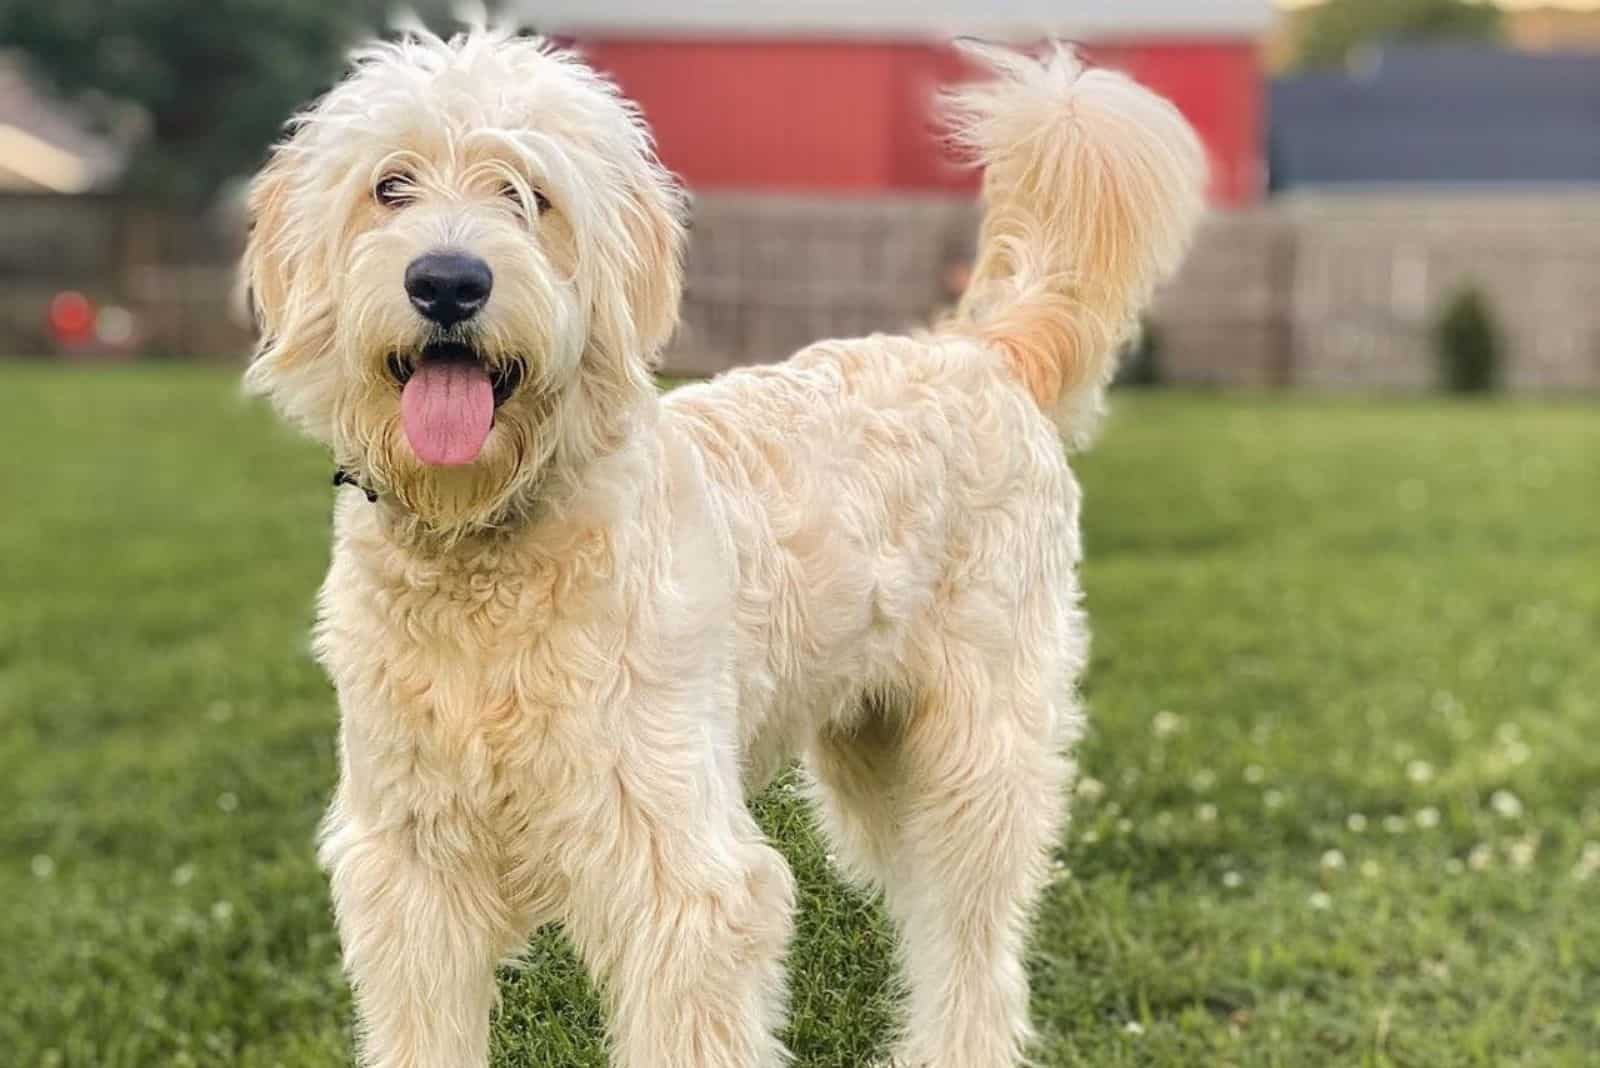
(448, 287)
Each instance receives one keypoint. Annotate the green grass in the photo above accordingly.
(1345, 699)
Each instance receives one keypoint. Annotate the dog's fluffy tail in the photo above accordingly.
(1092, 189)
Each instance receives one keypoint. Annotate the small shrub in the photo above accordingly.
(1140, 364)
(1468, 345)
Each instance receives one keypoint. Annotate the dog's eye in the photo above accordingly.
(392, 190)
(541, 203)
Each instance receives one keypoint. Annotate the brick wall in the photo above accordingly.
(1373, 272)
(1334, 292)
(767, 275)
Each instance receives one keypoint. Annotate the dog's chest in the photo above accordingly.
(450, 686)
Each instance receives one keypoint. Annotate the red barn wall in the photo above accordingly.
(852, 116)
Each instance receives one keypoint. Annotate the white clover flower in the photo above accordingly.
(1356, 822)
(42, 866)
(1419, 771)
(1481, 858)
(1091, 789)
(1394, 824)
(1320, 901)
(228, 802)
(1124, 825)
(1272, 798)
(1370, 869)
(1206, 813)
(1427, 817)
(1333, 860)
(1133, 1027)
(1167, 723)
(1203, 780)
(183, 875)
(222, 911)
(1506, 805)
(1255, 774)
(1232, 880)
(1522, 851)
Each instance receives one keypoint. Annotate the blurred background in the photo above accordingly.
(1379, 166)
(1340, 798)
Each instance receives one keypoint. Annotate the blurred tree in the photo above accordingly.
(212, 80)
(1140, 364)
(1331, 31)
(1468, 344)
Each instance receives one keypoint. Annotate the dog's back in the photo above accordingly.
(905, 533)
(862, 477)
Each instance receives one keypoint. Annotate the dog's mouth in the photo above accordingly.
(448, 397)
(503, 379)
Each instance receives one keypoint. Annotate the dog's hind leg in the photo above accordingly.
(982, 775)
(953, 806)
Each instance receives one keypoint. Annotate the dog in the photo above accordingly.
(578, 623)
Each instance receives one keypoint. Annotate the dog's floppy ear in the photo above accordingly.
(267, 259)
(654, 282)
(289, 295)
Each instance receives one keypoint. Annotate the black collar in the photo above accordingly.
(341, 477)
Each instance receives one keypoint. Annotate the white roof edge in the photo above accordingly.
(901, 19)
(985, 31)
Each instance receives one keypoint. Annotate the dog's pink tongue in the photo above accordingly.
(447, 409)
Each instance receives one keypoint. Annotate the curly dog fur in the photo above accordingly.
(563, 665)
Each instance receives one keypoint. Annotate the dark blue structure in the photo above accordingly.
(1449, 115)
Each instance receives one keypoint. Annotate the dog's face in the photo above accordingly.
(463, 261)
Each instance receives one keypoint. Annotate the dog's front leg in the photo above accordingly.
(420, 942)
(684, 913)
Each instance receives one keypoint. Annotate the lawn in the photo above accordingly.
(1341, 802)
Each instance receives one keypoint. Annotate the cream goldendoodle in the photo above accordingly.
(579, 623)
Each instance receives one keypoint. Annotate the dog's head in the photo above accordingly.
(463, 261)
